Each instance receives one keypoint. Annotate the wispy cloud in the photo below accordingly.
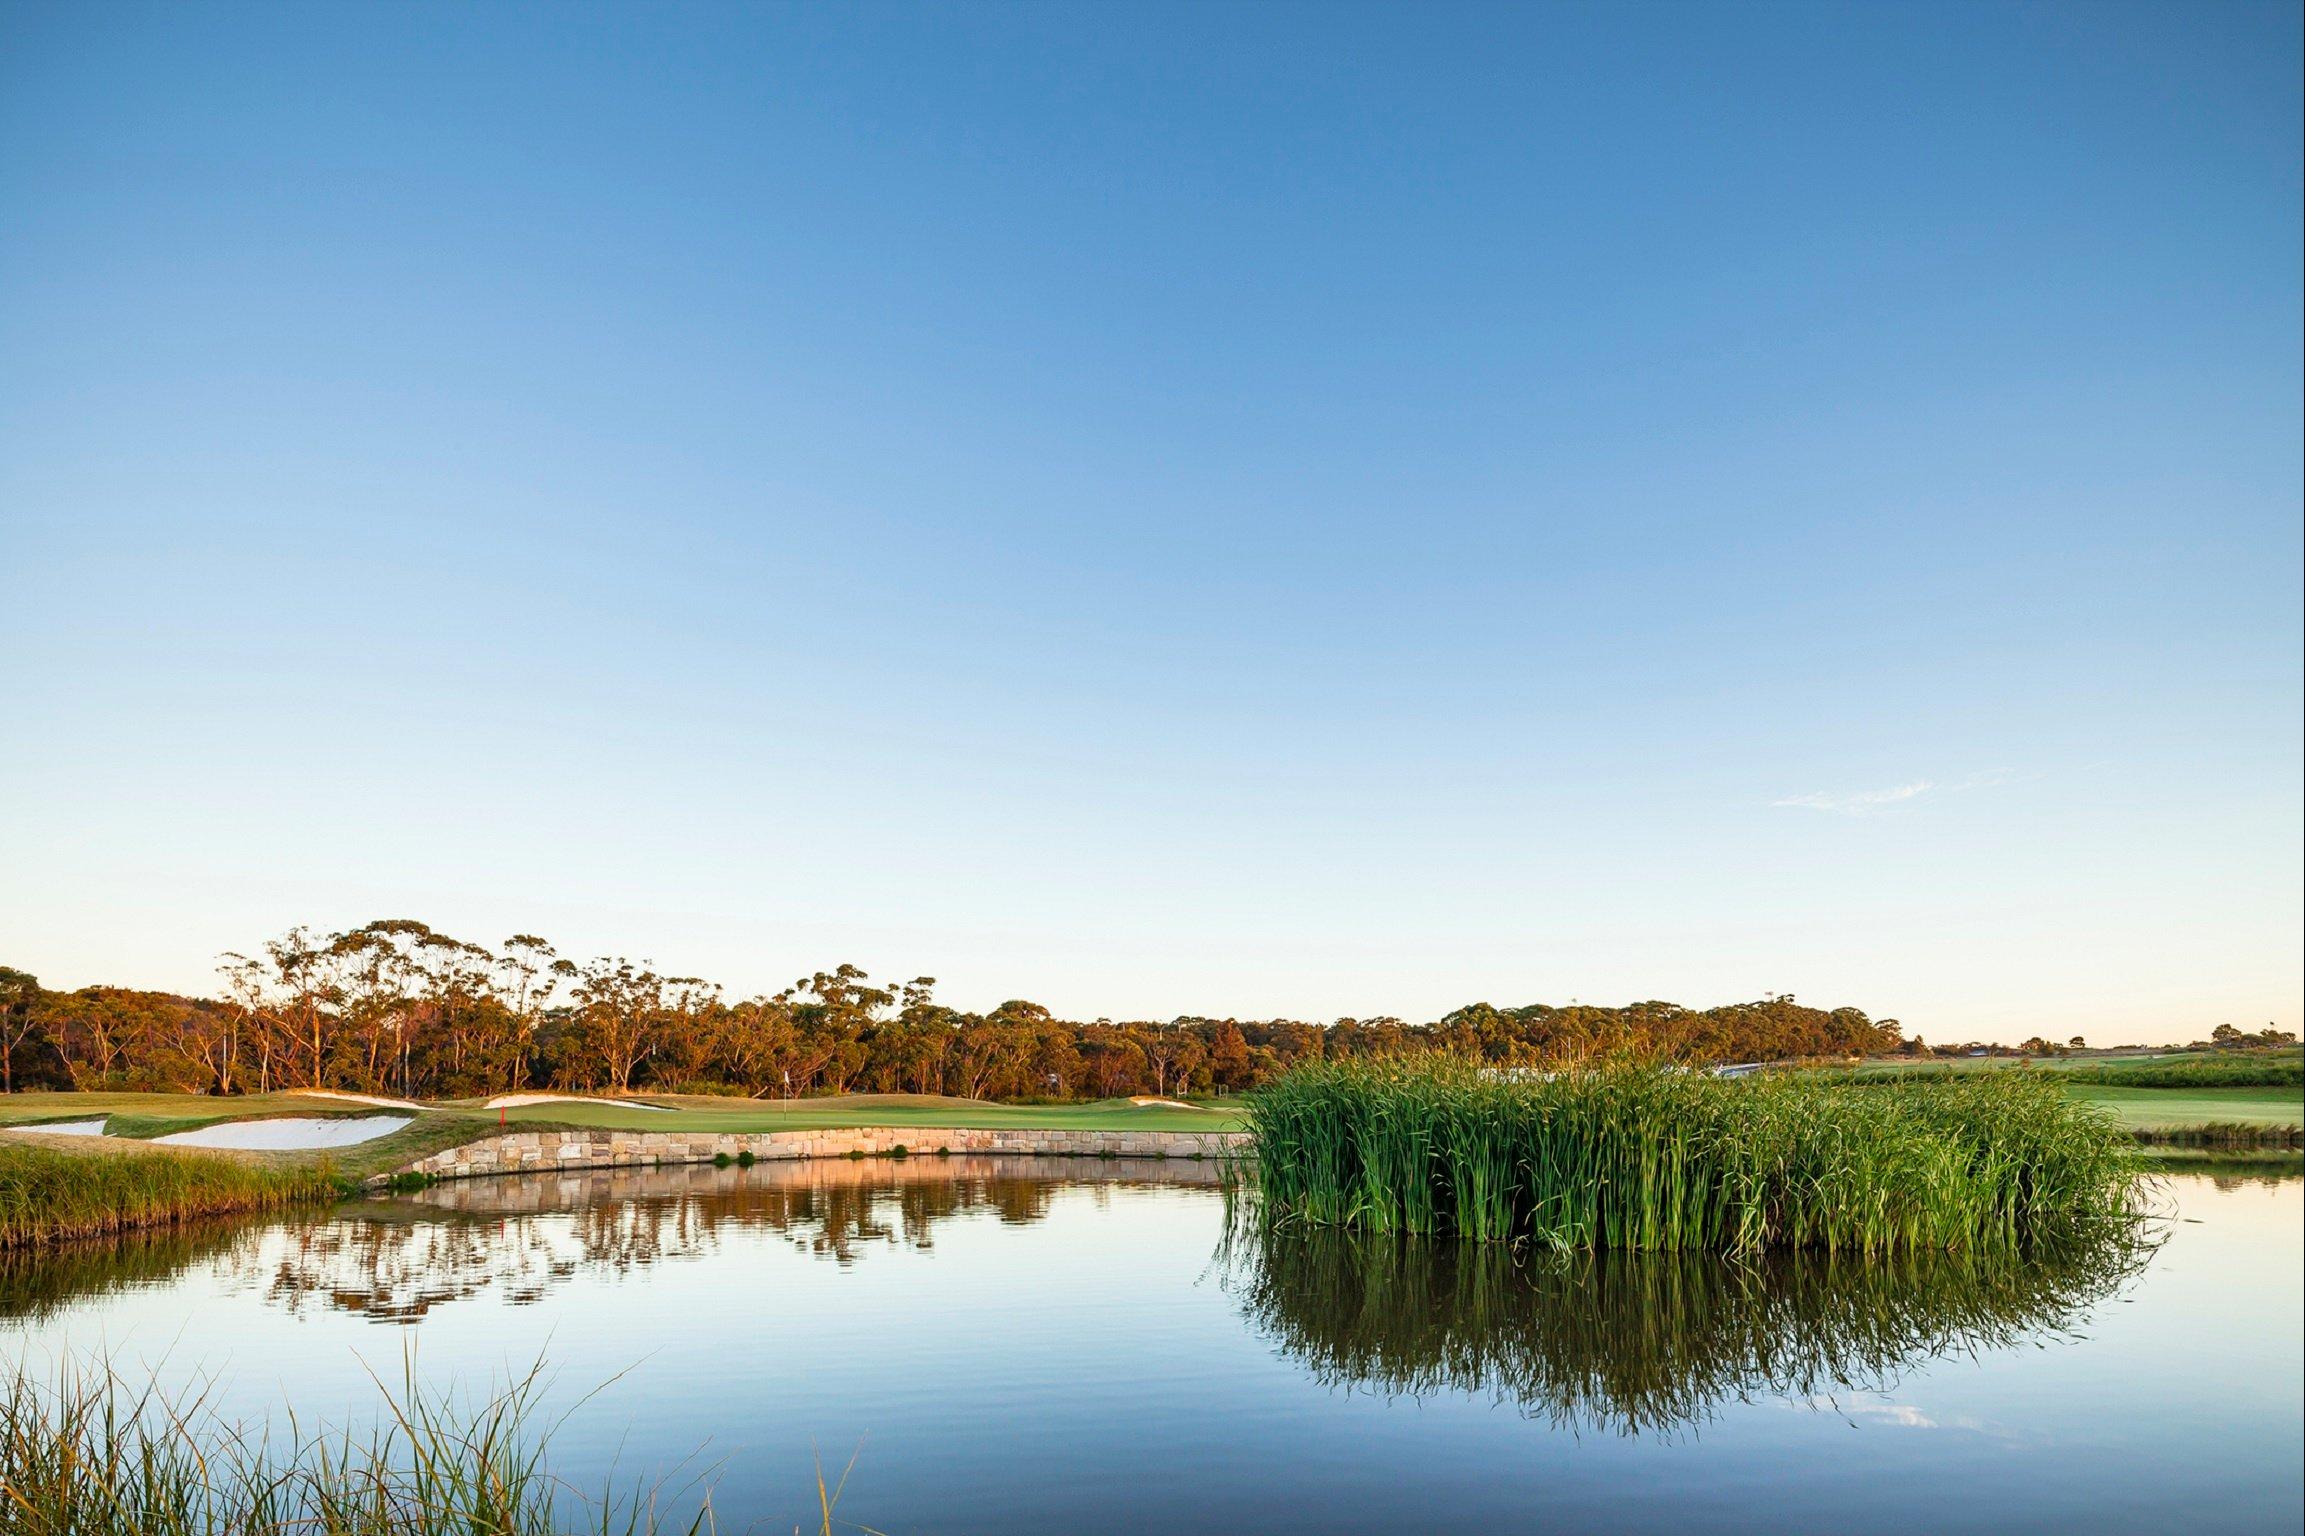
(1865, 802)
(1862, 801)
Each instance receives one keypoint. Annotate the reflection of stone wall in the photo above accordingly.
(544, 1151)
(540, 1194)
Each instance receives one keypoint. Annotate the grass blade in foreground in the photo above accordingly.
(91, 1454)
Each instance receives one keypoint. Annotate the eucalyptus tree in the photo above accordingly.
(527, 974)
(19, 1019)
(618, 1022)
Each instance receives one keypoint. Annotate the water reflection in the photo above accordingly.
(1641, 1343)
(36, 1283)
(399, 1260)
(2229, 1171)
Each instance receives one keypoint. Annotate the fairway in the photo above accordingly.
(2163, 1108)
(152, 1114)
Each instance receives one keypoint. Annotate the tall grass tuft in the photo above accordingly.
(90, 1453)
(1645, 1158)
(48, 1195)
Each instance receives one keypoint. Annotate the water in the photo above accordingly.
(1014, 1345)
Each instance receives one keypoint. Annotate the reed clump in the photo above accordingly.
(1628, 1156)
(91, 1453)
(48, 1195)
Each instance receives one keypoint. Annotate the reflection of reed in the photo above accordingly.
(1635, 1343)
(396, 1261)
(37, 1282)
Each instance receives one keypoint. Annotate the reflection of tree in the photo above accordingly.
(394, 1261)
(1631, 1342)
(397, 1271)
(37, 1282)
(2230, 1171)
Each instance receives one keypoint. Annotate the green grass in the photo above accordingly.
(2265, 1070)
(95, 1453)
(1627, 1157)
(2269, 1067)
(703, 1113)
(55, 1187)
(154, 1114)
(52, 1194)
(2162, 1109)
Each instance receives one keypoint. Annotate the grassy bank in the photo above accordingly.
(62, 1187)
(93, 1453)
(155, 1114)
(53, 1194)
(1644, 1159)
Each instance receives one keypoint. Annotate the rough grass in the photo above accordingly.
(52, 1194)
(94, 1453)
(2253, 1071)
(2233, 1136)
(1630, 1157)
(2239, 1069)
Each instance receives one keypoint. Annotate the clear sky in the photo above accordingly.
(1268, 510)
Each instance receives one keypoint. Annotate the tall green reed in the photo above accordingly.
(1620, 1155)
(48, 1195)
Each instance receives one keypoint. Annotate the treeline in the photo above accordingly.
(396, 1007)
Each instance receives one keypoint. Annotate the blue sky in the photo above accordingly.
(1259, 510)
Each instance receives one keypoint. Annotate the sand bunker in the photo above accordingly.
(521, 1100)
(65, 1128)
(353, 1098)
(1147, 1101)
(287, 1134)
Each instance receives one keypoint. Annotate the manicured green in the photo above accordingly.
(700, 1113)
(2160, 1109)
(155, 1114)
(1652, 1159)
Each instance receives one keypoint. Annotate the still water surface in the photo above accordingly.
(1016, 1345)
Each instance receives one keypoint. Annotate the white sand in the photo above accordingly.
(65, 1128)
(353, 1098)
(1147, 1101)
(518, 1100)
(287, 1134)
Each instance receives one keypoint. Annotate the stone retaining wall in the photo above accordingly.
(546, 1151)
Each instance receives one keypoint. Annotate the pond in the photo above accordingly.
(1020, 1345)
